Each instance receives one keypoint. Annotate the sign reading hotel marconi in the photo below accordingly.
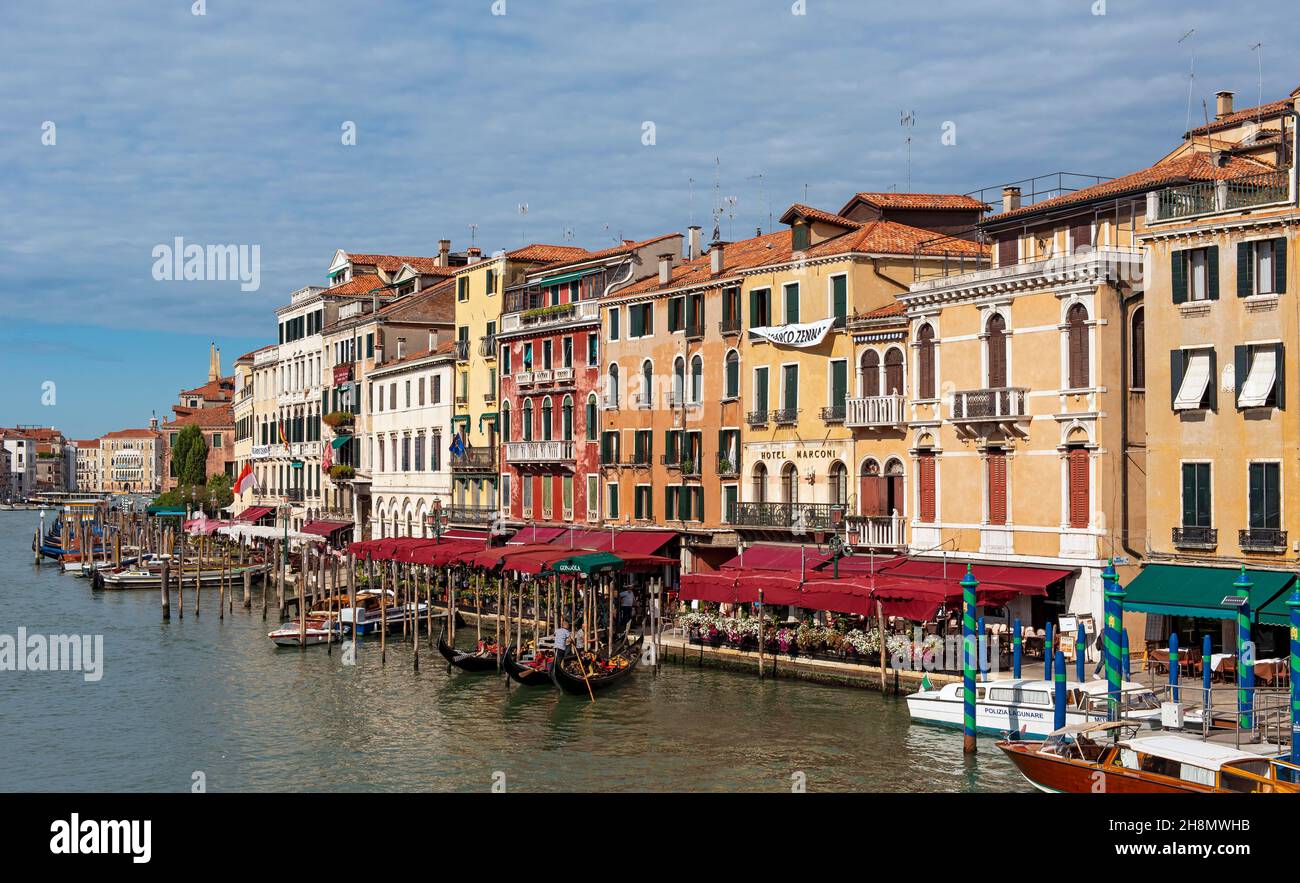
(804, 335)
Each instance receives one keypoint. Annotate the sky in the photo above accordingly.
(127, 124)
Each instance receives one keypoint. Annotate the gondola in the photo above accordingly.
(465, 660)
(524, 674)
(568, 677)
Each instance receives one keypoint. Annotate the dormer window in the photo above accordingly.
(799, 236)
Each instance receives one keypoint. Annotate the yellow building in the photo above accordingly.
(479, 289)
(801, 461)
(1222, 332)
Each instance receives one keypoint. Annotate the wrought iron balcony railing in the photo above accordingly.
(468, 514)
(1203, 198)
(1195, 537)
(1262, 539)
(730, 326)
(487, 346)
(475, 459)
(462, 350)
(785, 415)
(1003, 403)
(833, 414)
(756, 418)
(788, 516)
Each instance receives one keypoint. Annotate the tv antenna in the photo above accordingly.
(523, 216)
(1259, 59)
(907, 119)
(690, 200)
(762, 194)
(473, 229)
(1191, 78)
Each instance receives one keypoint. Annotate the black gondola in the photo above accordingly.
(465, 660)
(524, 674)
(568, 678)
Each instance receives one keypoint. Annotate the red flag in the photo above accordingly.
(246, 479)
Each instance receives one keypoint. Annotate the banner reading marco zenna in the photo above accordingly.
(800, 336)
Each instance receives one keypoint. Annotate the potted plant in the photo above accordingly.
(342, 471)
(336, 419)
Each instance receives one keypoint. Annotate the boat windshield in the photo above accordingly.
(1072, 745)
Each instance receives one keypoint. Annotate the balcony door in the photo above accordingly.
(997, 351)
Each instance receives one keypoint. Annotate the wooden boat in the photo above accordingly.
(137, 577)
(292, 634)
(478, 660)
(574, 675)
(1111, 758)
(369, 618)
(1027, 707)
(530, 669)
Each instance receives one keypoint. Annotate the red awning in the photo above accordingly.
(465, 533)
(534, 534)
(253, 513)
(439, 554)
(325, 528)
(643, 563)
(534, 561)
(769, 556)
(490, 559)
(636, 542)
(777, 587)
(717, 587)
(859, 565)
(1035, 579)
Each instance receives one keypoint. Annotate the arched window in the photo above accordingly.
(505, 421)
(647, 384)
(612, 393)
(679, 380)
(1138, 346)
(870, 373)
(838, 478)
(566, 419)
(527, 421)
(925, 356)
(1077, 321)
(732, 375)
(893, 371)
(697, 379)
(789, 484)
(592, 422)
(546, 419)
(997, 350)
(760, 483)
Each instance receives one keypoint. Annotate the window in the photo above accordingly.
(838, 479)
(643, 506)
(1076, 319)
(609, 447)
(839, 387)
(548, 494)
(611, 394)
(926, 486)
(546, 355)
(490, 282)
(419, 452)
(505, 421)
(527, 493)
(1195, 274)
(791, 299)
(760, 308)
(546, 419)
(760, 389)
(640, 319)
(613, 325)
(1265, 497)
(789, 484)
(437, 389)
(593, 350)
(435, 451)
(505, 360)
(566, 419)
(611, 506)
(799, 236)
(1196, 495)
(216, 439)
(1191, 373)
(697, 379)
(462, 288)
(759, 492)
(1008, 250)
(679, 381)
(676, 314)
(528, 357)
(840, 300)
(925, 356)
(647, 384)
(997, 486)
(567, 352)
(593, 496)
(591, 417)
(566, 495)
(790, 388)
(1261, 267)
(406, 453)
(526, 426)
(996, 343)
(1078, 463)
(730, 497)
(730, 308)
(731, 377)
(1259, 375)
(893, 371)
(1138, 350)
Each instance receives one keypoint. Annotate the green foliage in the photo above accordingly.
(211, 497)
(190, 457)
(337, 418)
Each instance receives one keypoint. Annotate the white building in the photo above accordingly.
(409, 412)
(22, 465)
(89, 466)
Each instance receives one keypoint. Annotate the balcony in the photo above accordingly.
(833, 414)
(1196, 538)
(462, 399)
(730, 326)
(543, 376)
(686, 464)
(694, 330)
(489, 398)
(462, 350)
(872, 412)
(294, 495)
(546, 317)
(1210, 197)
(726, 467)
(756, 418)
(990, 405)
(796, 517)
(466, 514)
(487, 346)
(876, 531)
(539, 452)
(475, 459)
(524, 378)
(641, 401)
(563, 375)
(785, 416)
(1262, 539)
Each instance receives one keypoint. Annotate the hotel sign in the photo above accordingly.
(801, 336)
(342, 373)
(259, 452)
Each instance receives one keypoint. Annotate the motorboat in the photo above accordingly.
(302, 634)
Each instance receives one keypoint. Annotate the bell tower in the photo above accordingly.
(214, 363)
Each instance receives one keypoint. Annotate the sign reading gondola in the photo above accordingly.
(798, 335)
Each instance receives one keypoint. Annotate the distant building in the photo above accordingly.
(22, 463)
(130, 461)
(6, 479)
(90, 469)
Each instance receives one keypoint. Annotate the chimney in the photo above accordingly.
(444, 252)
(401, 347)
(1222, 104)
(715, 256)
(665, 268)
(433, 340)
(692, 242)
(474, 253)
(1010, 199)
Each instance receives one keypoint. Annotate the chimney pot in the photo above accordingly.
(716, 259)
(1010, 198)
(1223, 104)
(474, 254)
(692, 242)
(444, 252)
(665, 268)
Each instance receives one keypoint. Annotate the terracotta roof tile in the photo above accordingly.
(391, 263)
(221, 416)
(815, 214)
(1182, 169)
(770, 248)
(917, 201)
(542, 253)
(891, 237)
(357, 285)
(131, 433)
(628, 246)
(1261, 112)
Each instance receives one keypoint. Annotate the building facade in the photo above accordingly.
(132, 461)
(90, 468)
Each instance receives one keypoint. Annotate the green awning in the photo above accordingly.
(1176, 590)
(589, 564)
(166, 511)
(567, 277)
(1276, 612)
(490, 416)
(339, 441)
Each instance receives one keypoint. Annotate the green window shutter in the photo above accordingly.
(1212, 272)
(1178, 269)
(840, 296)
(1177, 365)
(1279, 266)
(683, 504)
(638, 326)
(791, 391)
(791, 304)
(1245, 269)
(760, 390)
(839, 383)
(1256, 495)
(1279, 384)
(1189, 495)
(1212, 388)
(1241, 365)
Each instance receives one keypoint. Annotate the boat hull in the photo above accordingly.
(1058, 775)
(579, 686)
(525, 674)
(463, 660)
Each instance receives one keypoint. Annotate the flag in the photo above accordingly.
(327, 459)
(246, 481)
(457, 445)
(280, 428)
(925, 682)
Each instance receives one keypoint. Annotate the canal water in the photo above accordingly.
(204, 698)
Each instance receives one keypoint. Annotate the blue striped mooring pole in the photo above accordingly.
(1114, 637)
(1049, 649)
(1016, 650)
(1058, 704)
(968, 586)
(1173, 666)
(1294, 604)
(1206, 671)
(1245, 655)
(1081, 654)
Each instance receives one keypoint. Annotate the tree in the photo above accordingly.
(220, 492)
(190, 457)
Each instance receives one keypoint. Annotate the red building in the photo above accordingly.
(552, 385)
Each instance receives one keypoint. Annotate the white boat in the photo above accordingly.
(293, 634)
(137, 577)
(367, 616)
(1027, 707)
